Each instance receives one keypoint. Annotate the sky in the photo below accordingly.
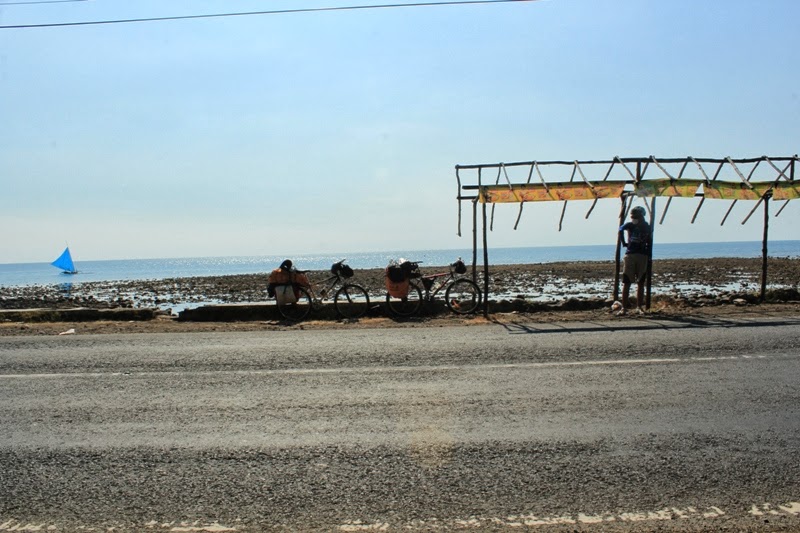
(339, 131)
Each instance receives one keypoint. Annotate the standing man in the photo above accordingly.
(637, 255)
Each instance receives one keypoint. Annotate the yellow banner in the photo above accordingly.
(536, 192)
(722, 190)
(786, 191)
(686, 188)
(666, 187)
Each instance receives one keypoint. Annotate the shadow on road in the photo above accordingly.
(646, 322)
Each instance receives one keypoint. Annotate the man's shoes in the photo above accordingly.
(621, 312)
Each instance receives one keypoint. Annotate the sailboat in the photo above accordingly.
(65, 263)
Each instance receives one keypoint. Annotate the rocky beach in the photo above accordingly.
(687, 282)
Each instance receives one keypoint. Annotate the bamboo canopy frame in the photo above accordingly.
(778, 185)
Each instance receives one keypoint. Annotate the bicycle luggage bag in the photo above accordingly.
(396, 273)
(285, 294)
(397, 289)
(346, 271)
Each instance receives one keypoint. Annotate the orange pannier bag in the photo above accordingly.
(300, 279)
(279, 277)
(284, 281)
(284, 277)
(397, 284)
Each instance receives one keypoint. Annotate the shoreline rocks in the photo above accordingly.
(693, 282)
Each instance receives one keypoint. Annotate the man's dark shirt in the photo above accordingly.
(639, 236)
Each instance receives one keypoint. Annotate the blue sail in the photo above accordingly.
(64, 262)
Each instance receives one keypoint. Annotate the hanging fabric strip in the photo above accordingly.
(726, 190)
(535, 192)
(684, 188)
(786, 191)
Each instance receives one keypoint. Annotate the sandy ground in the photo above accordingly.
(681, 288)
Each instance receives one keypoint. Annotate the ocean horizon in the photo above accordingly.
(24, 274)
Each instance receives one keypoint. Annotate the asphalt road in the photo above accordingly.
(627, 425)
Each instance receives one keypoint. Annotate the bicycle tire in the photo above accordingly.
(298, 310)
(463, 296)
(351, 301)
(408, 306)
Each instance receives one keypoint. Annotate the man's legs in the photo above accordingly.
(634, 268)
(640, 294)
(626, 292)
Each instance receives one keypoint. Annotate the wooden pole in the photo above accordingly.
(763, 295)
(650, 252)
(485, 267)
(475, 240)
(475, 225)
(619, 248)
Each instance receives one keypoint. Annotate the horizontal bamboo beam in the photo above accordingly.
(627, 160)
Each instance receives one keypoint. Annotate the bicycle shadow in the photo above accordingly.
(672, 322)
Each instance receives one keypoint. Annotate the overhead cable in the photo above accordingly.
(252, 13)
(34, 2)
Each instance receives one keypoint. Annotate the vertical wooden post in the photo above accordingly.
(475, 237)
(619, 248)
(763, 295)
(650, 252)
(485, 267)
(475, 240)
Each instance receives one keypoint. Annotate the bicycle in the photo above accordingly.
(350, 300)
(462, 295)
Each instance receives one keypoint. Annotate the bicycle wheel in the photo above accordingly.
(463, 296)
(298, 310)
(351, 301)
(407, 306)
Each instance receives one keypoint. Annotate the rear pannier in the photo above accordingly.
(397, 277)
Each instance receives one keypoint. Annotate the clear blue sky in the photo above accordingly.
(339, 131)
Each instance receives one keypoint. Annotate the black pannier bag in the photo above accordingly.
(410, 269)
(339, 269)
(396, 273)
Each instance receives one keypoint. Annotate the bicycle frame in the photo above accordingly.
(328, 285)
(428, 282)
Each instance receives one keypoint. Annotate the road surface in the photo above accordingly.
(627, 425)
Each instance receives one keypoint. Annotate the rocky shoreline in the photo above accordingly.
(688, 281)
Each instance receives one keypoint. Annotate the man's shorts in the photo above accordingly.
(634, 267)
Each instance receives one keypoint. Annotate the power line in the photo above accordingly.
(33, 2)
(251, 13)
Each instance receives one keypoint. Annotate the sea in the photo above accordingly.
(25, 274)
